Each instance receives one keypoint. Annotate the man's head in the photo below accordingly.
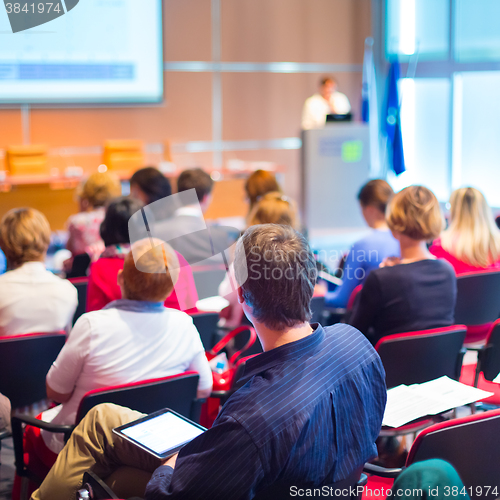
(281, 276)
(327, 86)
(24, 236)
(149, 272)
(200, 181)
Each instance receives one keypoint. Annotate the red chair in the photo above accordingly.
(81, 285)
(352, 297)
(478, 303)
(470, 444)
(417, 357)
(24, 363)
(177, 392)
(487, 368)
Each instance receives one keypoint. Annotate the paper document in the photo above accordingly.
(406, 403)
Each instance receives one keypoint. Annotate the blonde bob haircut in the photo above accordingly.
(274, 208)
(24, 236)
(415, 212)
(150, 271)
(99, 188)
(473, 236)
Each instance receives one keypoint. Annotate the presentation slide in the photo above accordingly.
(81, 51)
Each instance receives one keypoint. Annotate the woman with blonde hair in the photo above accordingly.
(416, 291)
(472, 241)
(84, 240)
(32, 299)
(274, 208)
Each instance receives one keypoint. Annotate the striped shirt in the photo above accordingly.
(309, 413)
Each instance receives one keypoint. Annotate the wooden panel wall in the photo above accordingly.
(255, 106)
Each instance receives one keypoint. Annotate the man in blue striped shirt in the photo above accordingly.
(308, 415)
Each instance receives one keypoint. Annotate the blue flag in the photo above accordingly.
(392, 121)
(369, 107)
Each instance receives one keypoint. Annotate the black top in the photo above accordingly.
(406, 298)
(292, 422)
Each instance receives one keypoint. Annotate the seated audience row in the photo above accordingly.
(309, 382)
(132, 339)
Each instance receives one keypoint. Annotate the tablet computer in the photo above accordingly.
(162, 433)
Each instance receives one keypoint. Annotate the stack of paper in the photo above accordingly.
(406, 403)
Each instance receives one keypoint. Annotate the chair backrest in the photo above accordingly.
(206, 324)
(317, 306)
(417, 357)
(470, 444)
(177, 392)
(490, 358)
(478, 298)
(353, 296)
(207, 279)
(24, 363)
(81, 285)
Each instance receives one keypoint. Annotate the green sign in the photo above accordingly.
(352, 151)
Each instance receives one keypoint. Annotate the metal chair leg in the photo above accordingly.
(24, 488)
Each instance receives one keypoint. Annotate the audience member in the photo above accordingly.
(132, 339)
(187, 231)
(272, 208)
(290, 424)
(84, 241)
(103, 286)
(369, 252)
(4, 413)
(149, 185)
(258, 184)
(32, 299)
(434, 478)
(472, 241)
(417, 291)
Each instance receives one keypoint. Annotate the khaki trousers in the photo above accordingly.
(92, 445)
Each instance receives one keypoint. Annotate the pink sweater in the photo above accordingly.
(460, 266)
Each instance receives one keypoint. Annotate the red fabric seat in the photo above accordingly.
(467, 377)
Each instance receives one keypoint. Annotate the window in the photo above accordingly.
(450, 105)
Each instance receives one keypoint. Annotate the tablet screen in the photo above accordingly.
(163, 433)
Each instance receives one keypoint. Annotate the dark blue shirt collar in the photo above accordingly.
(135, 305)
(283, 353)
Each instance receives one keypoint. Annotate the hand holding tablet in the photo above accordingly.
(162, 434)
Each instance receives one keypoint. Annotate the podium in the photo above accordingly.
(335, 164)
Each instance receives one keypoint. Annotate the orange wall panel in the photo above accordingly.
(320, 31)
(185, 115)
(187, 30)
(271, 103)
